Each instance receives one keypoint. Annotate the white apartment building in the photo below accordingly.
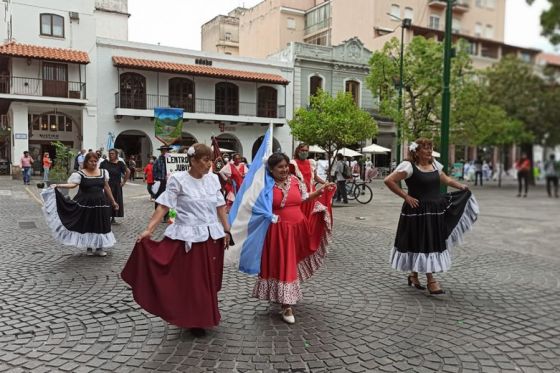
(73, 76)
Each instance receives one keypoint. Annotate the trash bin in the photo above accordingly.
(4, 167)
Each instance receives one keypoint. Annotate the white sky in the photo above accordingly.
(177, 23)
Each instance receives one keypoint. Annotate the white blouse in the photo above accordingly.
(76, 177)
(195, 201)
(406, 166)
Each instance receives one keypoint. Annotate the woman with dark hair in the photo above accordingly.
(83, 222)
(430, 222)
(306, 171)
(118, 175)
(178, 278)
(291, 253)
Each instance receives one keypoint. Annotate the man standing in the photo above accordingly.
(79, 161)
(478, 171)
(25, 163)
(159, 172)
(551, 172)
(340, 177)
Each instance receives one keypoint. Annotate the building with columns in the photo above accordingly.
(73, 76)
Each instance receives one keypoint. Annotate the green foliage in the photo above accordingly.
(332, 122)
(550, 21)
(422, 83)
(62, 165)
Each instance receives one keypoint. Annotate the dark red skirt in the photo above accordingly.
(180, 287)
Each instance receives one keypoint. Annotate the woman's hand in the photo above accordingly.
(411, 201)
(226, 241)
(53, 186)
(143, 235)
(122, 183)
(463, 187)
(115, 206)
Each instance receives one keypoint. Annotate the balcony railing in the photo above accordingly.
(326, 23)
(199, 105)
(16, 85)
(458, 5)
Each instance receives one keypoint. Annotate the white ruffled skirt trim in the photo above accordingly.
(70, 238)
(437, 261)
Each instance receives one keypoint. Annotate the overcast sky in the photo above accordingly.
(177, 22)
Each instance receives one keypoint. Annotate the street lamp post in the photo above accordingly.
(446, 97)
(406, 23)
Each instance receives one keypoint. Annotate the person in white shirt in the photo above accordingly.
(178, 278)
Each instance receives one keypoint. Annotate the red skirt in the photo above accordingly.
(180, 287)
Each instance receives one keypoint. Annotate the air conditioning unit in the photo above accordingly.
(74, 16)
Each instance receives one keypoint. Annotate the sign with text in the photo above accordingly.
(176, 162)
(20, 136)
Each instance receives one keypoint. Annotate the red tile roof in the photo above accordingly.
(549, 58)
(198, 70)
(44, 53)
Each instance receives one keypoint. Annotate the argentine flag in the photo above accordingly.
(251, 213)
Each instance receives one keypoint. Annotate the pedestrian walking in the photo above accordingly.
(295, 246)
(552, 172)
(149, 177)
(430, 222)
(478, 171)
(79, 160)
(304, 169)
(159, 170)
(341, 172)
(178, 278)
(233, 173)
(118, 176)
(26, 162)
(132, 167)
(47, 163)
(83, 222)
(523, 167)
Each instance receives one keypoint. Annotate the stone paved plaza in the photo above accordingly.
(61, 311)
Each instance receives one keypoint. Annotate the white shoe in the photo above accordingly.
(100, 252)
(89, 251)
(290, 319)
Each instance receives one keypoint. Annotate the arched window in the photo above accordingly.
(181, 94)
(267, 101)
(227, 99)
(132, 91)
(353, 87)
(315, 83)
(52, 25)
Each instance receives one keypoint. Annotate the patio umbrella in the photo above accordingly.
(435, 154)
(375, 149)
(316, 149)
(348, 152)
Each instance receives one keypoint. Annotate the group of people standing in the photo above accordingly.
(179, 277)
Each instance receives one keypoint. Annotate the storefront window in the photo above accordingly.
(68, 125)
(44, 123)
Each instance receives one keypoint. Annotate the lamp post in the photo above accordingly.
(405, 24)
(446, 96)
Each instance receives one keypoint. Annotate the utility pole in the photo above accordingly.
(446, 98)
(406, 23)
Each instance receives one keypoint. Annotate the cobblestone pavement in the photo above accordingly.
(63, 311)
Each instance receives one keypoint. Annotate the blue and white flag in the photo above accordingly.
(251, 213)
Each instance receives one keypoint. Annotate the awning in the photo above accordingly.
(14, 49)
(197, 70)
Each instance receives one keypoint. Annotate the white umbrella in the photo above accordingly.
(348, 152)
(375, 149)
(435, 154)
(222, 150)
(316, 149)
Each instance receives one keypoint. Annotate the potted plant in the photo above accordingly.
(62, 165)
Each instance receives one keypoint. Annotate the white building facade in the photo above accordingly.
(68, 73)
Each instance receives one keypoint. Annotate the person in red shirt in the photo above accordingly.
(47, 163)
(523, 167)
(149, 177)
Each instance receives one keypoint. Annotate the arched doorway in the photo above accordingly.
(136, 143)
(276, 148)
(229, 141)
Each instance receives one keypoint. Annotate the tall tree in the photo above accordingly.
(422, 83)
(550, 21)
(332, 123)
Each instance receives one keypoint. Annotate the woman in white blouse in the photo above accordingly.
(179, 277)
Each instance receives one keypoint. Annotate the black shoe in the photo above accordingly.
(435, 292)
(198, 332)
(524, 196)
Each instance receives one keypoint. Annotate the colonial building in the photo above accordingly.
(72, 76)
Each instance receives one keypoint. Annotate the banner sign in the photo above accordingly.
(176, 162)
(168, 124)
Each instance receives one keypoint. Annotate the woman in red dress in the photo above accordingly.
(304, 169)
(289, 255)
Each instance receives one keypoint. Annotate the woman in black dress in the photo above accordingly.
(118, 175)
(431, 222)
(83, 222)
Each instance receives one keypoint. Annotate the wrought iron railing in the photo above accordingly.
(17, 85)
(199, 105)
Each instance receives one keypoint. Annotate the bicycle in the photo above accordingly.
(359, 190)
